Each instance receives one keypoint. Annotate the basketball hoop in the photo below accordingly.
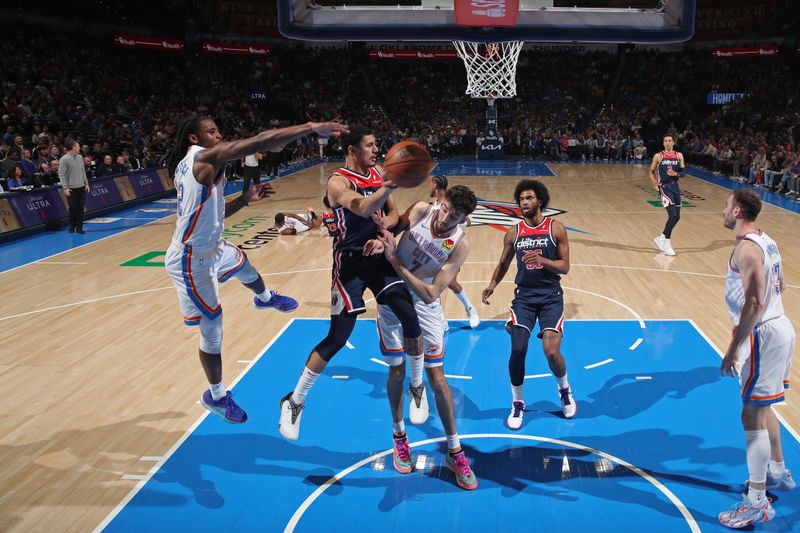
(491, 68)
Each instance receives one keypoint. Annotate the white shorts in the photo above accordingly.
(390, 333)
(767, 362)
(197, 277)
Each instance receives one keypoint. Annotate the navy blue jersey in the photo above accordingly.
(668, 161)
(540, 240)
(350, 231)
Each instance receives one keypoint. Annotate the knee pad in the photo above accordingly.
(399, 301)
(248, 273)
(211, 334)
(338, 333)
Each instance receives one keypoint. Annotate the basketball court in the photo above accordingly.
(104, 428)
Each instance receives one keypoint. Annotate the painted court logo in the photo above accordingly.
(502, 215)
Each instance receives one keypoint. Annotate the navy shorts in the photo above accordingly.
(544, 305)
(353, 273)
(670, 194)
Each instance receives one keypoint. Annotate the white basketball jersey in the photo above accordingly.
(201, 209)
(298, 226)
(734, 289)
(421, 252)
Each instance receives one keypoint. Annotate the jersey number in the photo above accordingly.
(534, 266)
(776, 277)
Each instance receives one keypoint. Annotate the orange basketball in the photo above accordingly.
(407, 164)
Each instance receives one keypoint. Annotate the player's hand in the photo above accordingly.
(67, 192)
(389, 244)
(389, 184)
(329, 129)
(532, 258)
(488, 291)
(379, 221)
(373, 247)
(86, 187)
(258, 192)
(729, 366)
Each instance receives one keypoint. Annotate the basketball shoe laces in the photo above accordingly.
(416, 393)
(230, 405)
(462, 463)
(518, 408)
(564, 396)
(295, 409)
(403, 449)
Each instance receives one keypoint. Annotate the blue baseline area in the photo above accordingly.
(779, 200)
(39, 246)
(504, 167)
(680, 426)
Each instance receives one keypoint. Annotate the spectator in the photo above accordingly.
(107, 167)
(14, 180)
(9, 163)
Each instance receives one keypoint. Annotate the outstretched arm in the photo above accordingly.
(502, 266)
(340, 194)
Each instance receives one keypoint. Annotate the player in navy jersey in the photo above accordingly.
(359, 200)
(541, 248)
(665, 170)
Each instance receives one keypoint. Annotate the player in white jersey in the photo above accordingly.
(760, 352)
(199, 258)
(427, 257)
(438, 187)
(292, 224)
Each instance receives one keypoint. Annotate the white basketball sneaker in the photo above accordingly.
(514, 420)
(661, 242)
(668, 248)
(784, 482)
(474, 319)
(418, 404)
(289, 424)
(568, 405)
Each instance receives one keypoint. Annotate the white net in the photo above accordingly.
(491, 68)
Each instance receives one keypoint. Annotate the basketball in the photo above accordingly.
(407, 164)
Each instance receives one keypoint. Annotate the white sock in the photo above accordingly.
(218, 390)
(756, 496)
(399, 428)
(416, 363)
(778, 469)
(562, 381)
(464, 299)
(307, 379)
(758, 450)
(265, 296)
(517, 393)
(453, 442)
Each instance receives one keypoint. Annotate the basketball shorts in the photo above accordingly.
(197, 277)
(353, 273)
(767, 362)
(544, 305)
(390, 333)
(670, 194)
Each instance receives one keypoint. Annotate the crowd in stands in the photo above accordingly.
(124, 105)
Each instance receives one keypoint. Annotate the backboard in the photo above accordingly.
(622, 21)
